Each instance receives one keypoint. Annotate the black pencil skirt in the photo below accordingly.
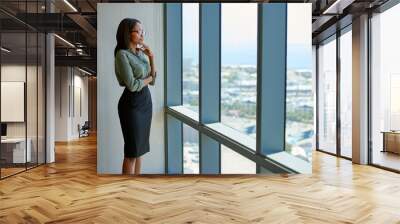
(135, 112)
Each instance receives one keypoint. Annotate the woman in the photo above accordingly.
(134, 69)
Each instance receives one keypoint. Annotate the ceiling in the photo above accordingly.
(329, 16)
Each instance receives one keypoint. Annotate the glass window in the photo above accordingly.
(31, 87)
(41, 98)
(385, 88)
(327, 96)
(238, 66)
(346, 94)
(191, 156)
(41, 89)
(22, 91)
(15, 149)
(234, 163)
(190, 63)
(299, 83)
(32, 93)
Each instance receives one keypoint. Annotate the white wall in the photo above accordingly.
(80, 82)
(12, 73)
(67, 81)
(109, 136)
(61, 104)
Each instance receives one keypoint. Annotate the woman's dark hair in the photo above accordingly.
(123, 36)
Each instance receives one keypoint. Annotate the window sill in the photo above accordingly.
(193, 115)
(241, 143)
(291, 161)
(235, 135)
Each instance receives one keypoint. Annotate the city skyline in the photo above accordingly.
(298, 56)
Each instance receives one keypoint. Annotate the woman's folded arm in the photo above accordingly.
(126, 73)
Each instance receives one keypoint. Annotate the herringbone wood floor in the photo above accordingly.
(70, 191)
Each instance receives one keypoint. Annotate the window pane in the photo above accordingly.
(13, 86)
(346, 94)
(327, 96)
(190, 150)
(299, 83)
(190, 63)
(234, 163)
(32, 100)
(238, 66)
(32, 84)
(41, 98)
(385, 88)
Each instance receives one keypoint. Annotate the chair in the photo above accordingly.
(84, 130)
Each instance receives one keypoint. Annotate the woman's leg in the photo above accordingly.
(127, 165)
(138, 163)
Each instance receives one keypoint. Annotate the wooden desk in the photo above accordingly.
(13, 150)
(391, 141)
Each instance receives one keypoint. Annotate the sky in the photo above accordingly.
(239, 34)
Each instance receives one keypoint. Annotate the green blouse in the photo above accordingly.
(131, 68)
